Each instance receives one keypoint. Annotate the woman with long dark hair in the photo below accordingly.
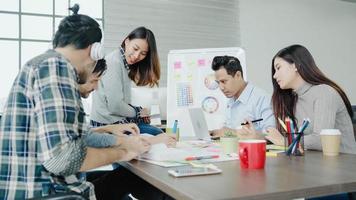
(135, 62)
(301, 90)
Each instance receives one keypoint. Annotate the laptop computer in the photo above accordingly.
(200, 126)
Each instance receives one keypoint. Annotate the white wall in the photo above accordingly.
(177, 24)
(326, 27)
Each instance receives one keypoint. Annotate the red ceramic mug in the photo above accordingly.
(252, 154)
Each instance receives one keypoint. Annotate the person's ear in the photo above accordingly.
(127, 40)
(294, 67)
(237, 75)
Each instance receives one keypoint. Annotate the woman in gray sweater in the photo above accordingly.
(301, 90)
(134, 62)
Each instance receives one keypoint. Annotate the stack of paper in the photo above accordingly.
(160, 152)
(164, 156)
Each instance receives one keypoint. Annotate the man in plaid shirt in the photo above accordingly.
(42, 129)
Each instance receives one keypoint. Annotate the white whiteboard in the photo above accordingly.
(191, 83)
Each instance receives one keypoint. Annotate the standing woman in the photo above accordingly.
(301, 90)
(136, 60)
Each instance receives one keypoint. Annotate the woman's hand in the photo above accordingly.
(216, 133)
(145, 112)
(134, 146)
(119, 129)
(145, 115)
(169, 139)
(248, 131)
(275, 136)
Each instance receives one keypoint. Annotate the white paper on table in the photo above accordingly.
(160, 152)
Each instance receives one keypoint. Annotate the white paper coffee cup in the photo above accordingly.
(330, 141)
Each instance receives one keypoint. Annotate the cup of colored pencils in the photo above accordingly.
(294, 136)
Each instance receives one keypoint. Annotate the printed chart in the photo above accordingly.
(191, 83)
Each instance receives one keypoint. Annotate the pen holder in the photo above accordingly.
(294, 144)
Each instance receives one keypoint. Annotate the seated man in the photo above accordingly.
(246, 102)
(42, 130)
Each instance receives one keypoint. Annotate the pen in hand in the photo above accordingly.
(253, 121)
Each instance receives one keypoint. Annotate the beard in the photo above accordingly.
(83, 77)
(81, 80)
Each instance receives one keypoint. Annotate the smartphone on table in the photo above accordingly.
(193, 171)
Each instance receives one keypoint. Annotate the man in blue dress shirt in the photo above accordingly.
(246, 102)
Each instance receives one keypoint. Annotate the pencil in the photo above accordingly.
(282, 124)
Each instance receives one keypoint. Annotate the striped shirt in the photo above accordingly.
(41, 131)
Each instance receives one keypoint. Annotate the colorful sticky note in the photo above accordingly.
(177, 77)
(190, 77)
(191, 63)
(177, 65)
(201, 62)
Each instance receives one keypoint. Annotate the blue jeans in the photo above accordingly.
(144, 128)
(149, 129)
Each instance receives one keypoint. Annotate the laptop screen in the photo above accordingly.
(200, 126)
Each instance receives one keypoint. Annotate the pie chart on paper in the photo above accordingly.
(210, 83)
(210, 104)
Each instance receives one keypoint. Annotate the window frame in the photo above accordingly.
(53, 17)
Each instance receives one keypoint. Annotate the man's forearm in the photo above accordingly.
(100, 140)
(99, 157)
(103, 129)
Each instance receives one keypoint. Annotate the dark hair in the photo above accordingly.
(147, 70)
(100, 67)
(230, 63)
(78, 30)
(284, 101)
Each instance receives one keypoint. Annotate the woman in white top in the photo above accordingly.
(136, 60)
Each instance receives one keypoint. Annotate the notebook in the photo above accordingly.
(200, 126)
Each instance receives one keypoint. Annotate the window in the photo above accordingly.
(36, 27)
(9, 66)
(11, 22)
(30, 26)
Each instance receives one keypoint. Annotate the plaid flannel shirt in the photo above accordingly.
(41, 131)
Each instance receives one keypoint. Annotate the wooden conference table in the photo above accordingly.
(283, 178)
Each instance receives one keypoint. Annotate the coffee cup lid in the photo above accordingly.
(252, 141)
(330, 132)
